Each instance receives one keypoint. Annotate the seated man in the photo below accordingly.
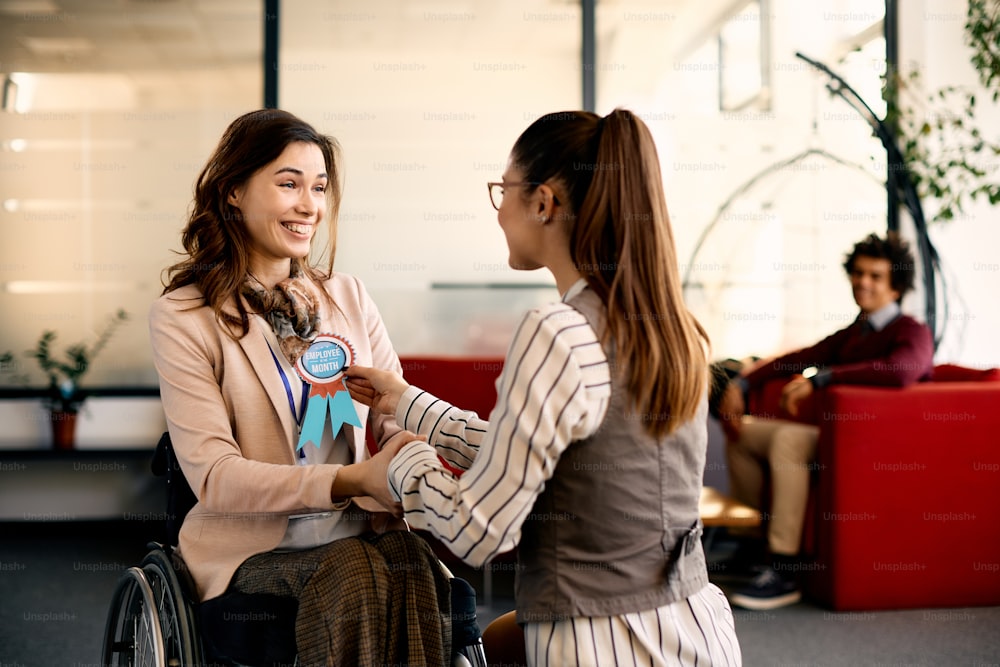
(881, 347)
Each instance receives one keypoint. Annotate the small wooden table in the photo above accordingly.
(719, 510)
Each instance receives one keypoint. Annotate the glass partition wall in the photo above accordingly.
(426, 100)
(770, 179)
(110, 108)
(109, 111)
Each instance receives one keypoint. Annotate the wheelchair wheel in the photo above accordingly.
(151, 623)
(132, 636)
(181, 644)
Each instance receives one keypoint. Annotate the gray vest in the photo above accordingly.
(616, 529)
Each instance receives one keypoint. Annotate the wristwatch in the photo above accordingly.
(819, 377)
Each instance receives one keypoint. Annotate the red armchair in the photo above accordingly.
(466, 382)
(905, 508)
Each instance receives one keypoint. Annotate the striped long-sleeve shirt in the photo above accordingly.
(554, 389)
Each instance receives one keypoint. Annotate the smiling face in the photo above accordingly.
(871, 283)
(282, 204)
(518, 219)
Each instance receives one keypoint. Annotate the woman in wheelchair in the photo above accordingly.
(250, 342)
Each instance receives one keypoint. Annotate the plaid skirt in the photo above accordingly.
(368, 600)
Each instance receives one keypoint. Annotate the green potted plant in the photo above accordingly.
(64, 393)
(950, 158)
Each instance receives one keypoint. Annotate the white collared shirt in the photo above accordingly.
(306, 531)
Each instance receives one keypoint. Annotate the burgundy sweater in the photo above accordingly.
(900, 354)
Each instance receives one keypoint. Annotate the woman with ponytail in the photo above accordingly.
(592, 460)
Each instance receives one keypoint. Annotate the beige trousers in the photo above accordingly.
(787, 450)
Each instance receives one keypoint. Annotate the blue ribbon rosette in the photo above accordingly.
(322, 367)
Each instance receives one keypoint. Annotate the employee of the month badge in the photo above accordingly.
(322, 365)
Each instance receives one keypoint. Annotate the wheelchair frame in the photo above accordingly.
(152, 620)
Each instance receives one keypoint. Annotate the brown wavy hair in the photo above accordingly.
(215, 239)
(622, 243)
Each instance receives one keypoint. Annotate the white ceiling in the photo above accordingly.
(127, 35)
(170, 51)
(136, 35)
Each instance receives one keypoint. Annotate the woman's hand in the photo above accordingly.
(370, 477)
(378, 389)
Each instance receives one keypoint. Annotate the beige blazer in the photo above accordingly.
(233, 431)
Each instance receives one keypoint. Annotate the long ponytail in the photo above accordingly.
(622, 243)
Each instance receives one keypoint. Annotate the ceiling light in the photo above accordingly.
(58, 46)
(69, 286)
(28, 8)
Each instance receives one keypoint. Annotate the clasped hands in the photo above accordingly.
(380, 390)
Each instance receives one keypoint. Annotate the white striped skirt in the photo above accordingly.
(696, 631)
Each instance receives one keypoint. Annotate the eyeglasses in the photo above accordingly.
(496, 191)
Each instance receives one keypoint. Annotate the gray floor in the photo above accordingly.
(56, 581)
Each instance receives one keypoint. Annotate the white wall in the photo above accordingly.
(767, 278)
(427, 101)
(933, 41)
(427, 111)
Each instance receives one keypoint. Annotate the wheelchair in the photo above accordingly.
(153, 619)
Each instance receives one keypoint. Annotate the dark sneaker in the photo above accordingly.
(768, 590)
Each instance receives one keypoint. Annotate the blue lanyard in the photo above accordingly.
(288, 393)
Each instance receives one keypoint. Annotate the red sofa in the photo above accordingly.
(905, 508)
(466, 382)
